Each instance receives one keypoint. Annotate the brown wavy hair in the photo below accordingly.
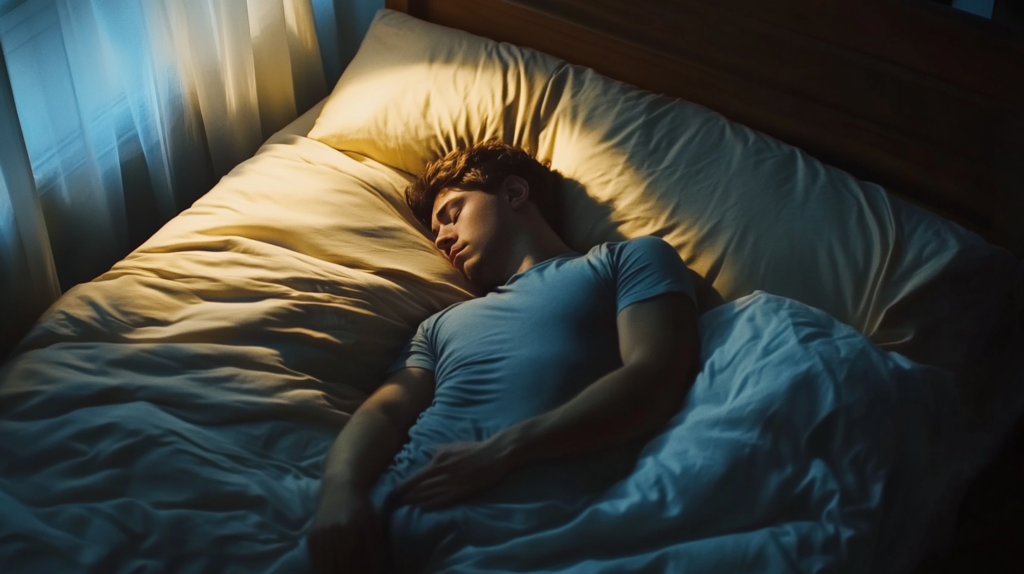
(484, 167)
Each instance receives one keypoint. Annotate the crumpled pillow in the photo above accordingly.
(745, 211)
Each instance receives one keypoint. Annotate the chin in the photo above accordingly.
(474, 278)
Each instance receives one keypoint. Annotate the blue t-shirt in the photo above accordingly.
(518, 352)
(543, 336)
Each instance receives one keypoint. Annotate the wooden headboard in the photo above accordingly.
(922, 99)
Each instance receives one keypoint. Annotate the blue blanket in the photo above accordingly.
(799, 445)
(801, 448)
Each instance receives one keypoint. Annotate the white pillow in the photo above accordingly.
(744, 210)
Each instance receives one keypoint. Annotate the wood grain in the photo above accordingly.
(400, 5)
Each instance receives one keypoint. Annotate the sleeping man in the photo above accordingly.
(531, 396)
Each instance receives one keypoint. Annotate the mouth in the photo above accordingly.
(454, 256)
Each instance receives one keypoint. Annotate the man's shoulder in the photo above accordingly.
(438, 315)
(646, 241)
(641, 243)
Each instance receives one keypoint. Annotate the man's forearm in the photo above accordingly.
(363, 450)
(627, 403)
(377, 430)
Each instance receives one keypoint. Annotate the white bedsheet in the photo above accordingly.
(800, 446)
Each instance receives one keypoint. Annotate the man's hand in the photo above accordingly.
(457, 471)
(346, 534)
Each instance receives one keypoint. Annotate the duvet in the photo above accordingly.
(801, 447)
(799, 444)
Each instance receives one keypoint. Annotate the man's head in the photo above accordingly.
(491, 208)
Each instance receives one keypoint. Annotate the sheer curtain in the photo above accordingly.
(118, 114)
(28, 280)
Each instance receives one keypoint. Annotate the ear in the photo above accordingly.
(517, 190)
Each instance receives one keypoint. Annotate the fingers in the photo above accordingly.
(450, 460)
(441, 492)
(454, 473)
(442, 498)
(313, 549)
(432, 471)
(331, 551)
(374, 548)
(346, 536)
(441, 483)
(369, 551)
(356, 560)
(335, 561)
(426, 485)
(420, 496)
(320, 555)
(323, 555)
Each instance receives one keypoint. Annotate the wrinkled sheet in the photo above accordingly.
(797, 441)
(795, 438)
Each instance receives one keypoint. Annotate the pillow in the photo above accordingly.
(745, 211)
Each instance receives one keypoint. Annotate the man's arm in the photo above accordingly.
(377, 430)
(660, 349)
(345, 534)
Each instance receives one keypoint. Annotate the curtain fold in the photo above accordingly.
(29, 279)
(127, 111)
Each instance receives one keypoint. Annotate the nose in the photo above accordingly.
(445, 238)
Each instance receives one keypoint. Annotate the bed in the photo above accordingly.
(173, 414)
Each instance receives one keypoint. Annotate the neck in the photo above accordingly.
(538, 247)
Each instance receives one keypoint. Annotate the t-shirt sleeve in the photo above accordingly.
(419, 351)
(645, 267)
